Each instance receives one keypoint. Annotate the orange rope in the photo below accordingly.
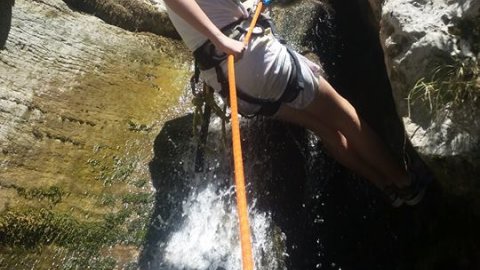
(242, 206)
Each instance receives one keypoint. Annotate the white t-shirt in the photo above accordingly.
(220, 12)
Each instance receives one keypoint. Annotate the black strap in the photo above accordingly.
(296, 82)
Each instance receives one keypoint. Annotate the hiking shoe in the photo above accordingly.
(414, 193)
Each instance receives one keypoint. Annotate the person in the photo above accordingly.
(274, 80)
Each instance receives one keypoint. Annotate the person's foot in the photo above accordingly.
(411, 194)
(414, 193)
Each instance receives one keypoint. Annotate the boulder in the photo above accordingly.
(432, 57)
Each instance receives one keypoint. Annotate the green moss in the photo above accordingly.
(114, 170)
(71, 206)
(81, 262)
(32, 228)
(132, 126)
(140, 183)
(37, 229)
(107, 199)
(138, 198)
(54, 194)
(55, 257)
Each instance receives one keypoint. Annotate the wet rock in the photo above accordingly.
(80, 104)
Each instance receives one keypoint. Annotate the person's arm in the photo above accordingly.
(191, 12)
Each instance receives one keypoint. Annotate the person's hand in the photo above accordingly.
(230, 46)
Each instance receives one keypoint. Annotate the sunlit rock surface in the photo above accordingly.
(134, 15)
(419, 37)
(81, 102)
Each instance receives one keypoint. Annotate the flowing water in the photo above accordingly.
(196, 224)
(207, 237)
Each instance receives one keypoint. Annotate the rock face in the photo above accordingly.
(133, 15)
(433, 46)
(81, 102)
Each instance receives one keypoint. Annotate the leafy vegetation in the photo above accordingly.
(452, 84)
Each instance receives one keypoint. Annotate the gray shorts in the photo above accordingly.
(263, 73)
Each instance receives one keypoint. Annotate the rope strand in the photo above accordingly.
(242, 206)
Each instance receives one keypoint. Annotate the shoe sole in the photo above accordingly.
(417, 199)
(423, 189)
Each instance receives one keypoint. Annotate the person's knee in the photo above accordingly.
(338, 147)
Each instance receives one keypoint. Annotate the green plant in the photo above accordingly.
(453, 84)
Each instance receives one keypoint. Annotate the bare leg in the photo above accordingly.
(348, 137)
(334, 142)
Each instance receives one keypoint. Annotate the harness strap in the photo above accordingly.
(205, 55)
(206, 58)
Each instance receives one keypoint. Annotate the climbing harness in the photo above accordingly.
(206, 58)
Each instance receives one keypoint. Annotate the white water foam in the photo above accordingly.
(209, 237)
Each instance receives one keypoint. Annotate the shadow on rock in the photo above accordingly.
(168, 174)
(5, 20)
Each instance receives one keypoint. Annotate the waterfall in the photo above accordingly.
(201, 232)
(209, 239)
